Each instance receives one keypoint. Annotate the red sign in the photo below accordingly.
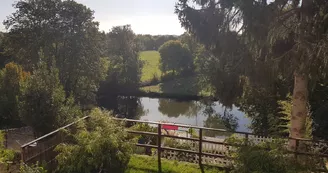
(169, 127)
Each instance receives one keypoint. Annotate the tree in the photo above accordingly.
(43, 103)
(190, 43)
(175, 57)
(66, 33)
(124, 71)
(3, 58)
(287, 37)
(11, 79)
(100, 145)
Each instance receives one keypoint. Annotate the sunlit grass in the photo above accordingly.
(148, 164)
(151, 65)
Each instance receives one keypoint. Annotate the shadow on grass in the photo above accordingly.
(188, 85)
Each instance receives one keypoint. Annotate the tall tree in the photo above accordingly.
(12, 78)
(3, 58)
(175, 57)
(66, 33)
(124, 71)
(288, 36)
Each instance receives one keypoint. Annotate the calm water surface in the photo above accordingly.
(193, 113)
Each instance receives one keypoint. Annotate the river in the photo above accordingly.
(197, 113)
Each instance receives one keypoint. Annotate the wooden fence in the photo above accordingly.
(42, 149)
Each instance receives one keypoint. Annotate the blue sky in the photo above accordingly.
(145, 16)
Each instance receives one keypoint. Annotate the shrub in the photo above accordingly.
(6, 156)
(32, 169)
(43, 102)
(100, 145)
(268, 157)
(144, 139)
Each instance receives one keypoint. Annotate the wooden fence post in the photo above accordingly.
(246, 143)
(296, 147)
(159, 149)
(200, 146)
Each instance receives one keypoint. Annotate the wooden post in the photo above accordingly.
(200, 146)
(296, 147)
(246, 138)
(159, 149)
(6, 139)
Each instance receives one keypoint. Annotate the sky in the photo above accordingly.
(145, 16)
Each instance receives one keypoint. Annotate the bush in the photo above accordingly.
(43, 102)
(7, 156)
(268, 157)
(100, 145)
(144, 139)
(32, 169)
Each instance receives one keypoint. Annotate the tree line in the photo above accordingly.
(59, 63)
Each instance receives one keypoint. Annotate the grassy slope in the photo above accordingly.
(188, 85)
(151, 65)
(147, 164)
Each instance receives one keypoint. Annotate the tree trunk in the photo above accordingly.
(299, 109)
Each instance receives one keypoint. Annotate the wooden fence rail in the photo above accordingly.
(42, 149)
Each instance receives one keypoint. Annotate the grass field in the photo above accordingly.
(187, 85)
(147, 164)
(151, 65)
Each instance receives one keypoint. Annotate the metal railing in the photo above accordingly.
(42, 149)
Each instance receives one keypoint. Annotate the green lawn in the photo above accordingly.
(148, 164)
(187, 85)
(151, 65)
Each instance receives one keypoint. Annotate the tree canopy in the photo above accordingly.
(66, 33)
(175, 57)
(269, 39)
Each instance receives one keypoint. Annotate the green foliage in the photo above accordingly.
(11, 79)
(123, 74)
(182, 144)
(145, 139)
(4, 59)
(32, 169)
(285, 107)
(5, 154)
(100, 144)
(250, 158)
(65, 31)
(43, 102)
(262, 105)
(175, 57)
(124, 64)
(149, 42)
(179, 86)
(142, 164)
